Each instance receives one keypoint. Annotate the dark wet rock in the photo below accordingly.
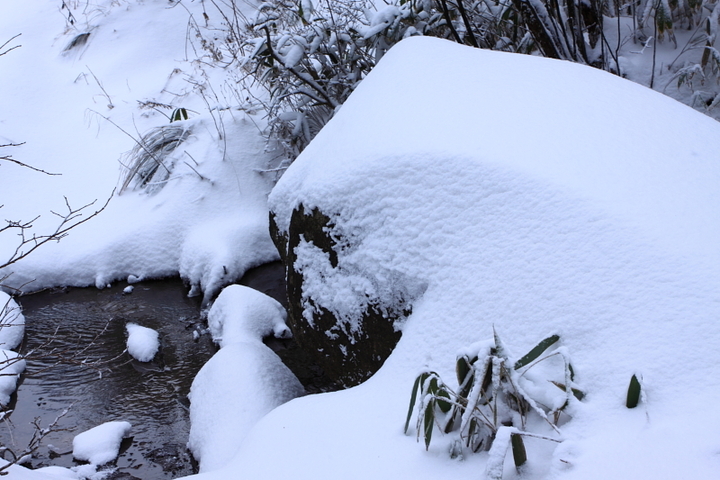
(119, 475)
(348, 360)
(172, 458)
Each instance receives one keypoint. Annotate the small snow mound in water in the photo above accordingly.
(142, 343)
(12, 322)
(242, 314)
(100, 444)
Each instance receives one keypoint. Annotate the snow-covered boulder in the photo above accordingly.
(243, 381)
(100, 444)
(12, 322)
(536, 196)
(349, 344)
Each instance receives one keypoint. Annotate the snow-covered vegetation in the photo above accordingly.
(509, 196)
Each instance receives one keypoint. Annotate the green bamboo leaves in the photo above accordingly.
(179, 114)
(435, 399)
(490, 397)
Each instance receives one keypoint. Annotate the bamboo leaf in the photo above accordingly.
(450, 425)
(428, 421)
(462, 368)
(178, 115)
(442, 404)
(536, 352)
(633, 394)
(413, 397)
(474, 440)
(518, 449)
(499, 347)
(577, 393)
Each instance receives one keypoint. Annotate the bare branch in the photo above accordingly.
(38, 436)
(9, 158)
(68, 221)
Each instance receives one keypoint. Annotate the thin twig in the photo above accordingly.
(8, 158)
(11, 48)
(67, 223)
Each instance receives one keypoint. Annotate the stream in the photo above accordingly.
(75, 340)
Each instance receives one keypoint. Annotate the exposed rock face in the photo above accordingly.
(348, 357)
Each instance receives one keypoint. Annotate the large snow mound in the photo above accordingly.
(538, 197)
(243, 381)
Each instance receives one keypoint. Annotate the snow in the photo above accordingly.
(12, 322)
(243, 381)
(11, 366)
(100, 444)
(242, 314)
(143, 343)
(17, 472)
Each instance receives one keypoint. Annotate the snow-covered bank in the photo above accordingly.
(481, 177)
(207, 222)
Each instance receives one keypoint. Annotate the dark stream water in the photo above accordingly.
(78, 337)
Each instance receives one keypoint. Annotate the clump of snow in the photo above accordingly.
(100, 444)
(128, 290)
(348, 293)
(242, 314)
(11, 366)
(243, 381)
(143, 343)
(12, 322)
